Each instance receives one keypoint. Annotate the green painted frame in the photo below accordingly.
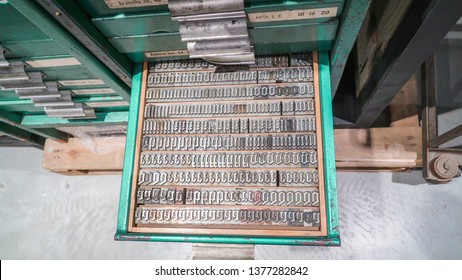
(102, 118)
(333, 236)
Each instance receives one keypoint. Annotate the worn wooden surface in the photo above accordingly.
(85, 156)
(390, 148)
(379, 148)
(404, 108)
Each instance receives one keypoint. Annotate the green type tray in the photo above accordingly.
(255, 223)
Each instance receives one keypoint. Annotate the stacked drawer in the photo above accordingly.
(50, 75)
(230, 152)
(45, 95)
(144, 30)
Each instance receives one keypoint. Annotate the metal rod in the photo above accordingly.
(429, 117)
(446, 137)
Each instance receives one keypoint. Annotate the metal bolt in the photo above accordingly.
(445, 168)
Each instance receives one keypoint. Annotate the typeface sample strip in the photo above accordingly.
(230, 151)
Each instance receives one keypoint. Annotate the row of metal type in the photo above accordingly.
(273, 61)
(230, 109)
(194, 177)
(227, 126)
(236, 216)
(231, 92)
(229, 196)
(229, 143)
(229, 160)
(197, 78)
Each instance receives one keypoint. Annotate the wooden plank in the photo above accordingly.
(203, 251)
(389, 148)
(97, 154)
(404, 108)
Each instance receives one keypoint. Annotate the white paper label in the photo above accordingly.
(93, 91)
(293, 15)
(54, 62)
(107, 104)
(116, 4)
(167, 53)
(89, 82)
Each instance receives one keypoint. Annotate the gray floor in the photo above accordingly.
(383, 216)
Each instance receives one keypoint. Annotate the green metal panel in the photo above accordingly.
(6, 95)
(294, 33)
(102, 118)
(130, 148)
(137, 30)
(150, 42)
(267, 39)
(117, 25)
(328, 145)
(293, 38)
(26, 49)
(98, 8)
(291, 6)
(66, 73)
(332, 239)
(16, 27)
(139, 24)
(26, 106)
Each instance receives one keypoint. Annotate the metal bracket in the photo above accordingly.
(214, 30)
(440, 165)
(13, 72)
(50, 90)
(3, 61)
(74, 111)
(34, 82)
(63, 100)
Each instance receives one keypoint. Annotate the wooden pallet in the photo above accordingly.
(374, 149)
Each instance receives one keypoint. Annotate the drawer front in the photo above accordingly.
(267, 40)
(258, 14)
(274, 27)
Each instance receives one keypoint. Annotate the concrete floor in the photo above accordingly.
(382, 216)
